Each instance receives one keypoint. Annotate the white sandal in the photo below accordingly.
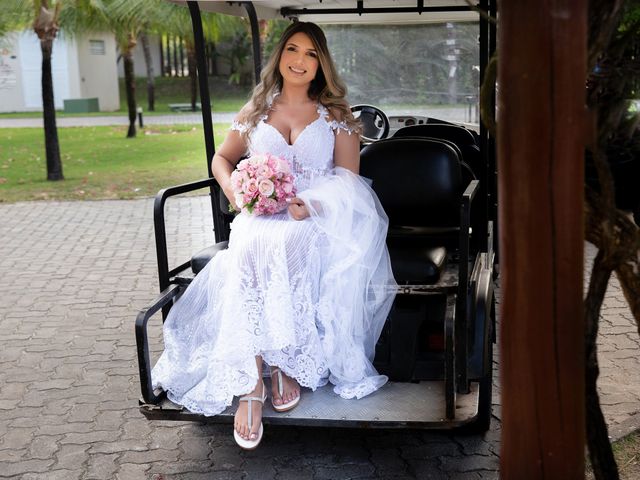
(285, 407)
(251, 444)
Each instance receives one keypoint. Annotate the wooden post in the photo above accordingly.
(541, 99)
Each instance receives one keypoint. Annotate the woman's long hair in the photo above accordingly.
(326, 88)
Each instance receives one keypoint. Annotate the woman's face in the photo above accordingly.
(299, 60)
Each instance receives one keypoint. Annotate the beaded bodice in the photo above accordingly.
(310, 156)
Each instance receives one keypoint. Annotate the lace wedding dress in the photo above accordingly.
(310, 296)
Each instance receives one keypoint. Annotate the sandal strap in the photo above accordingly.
(249, 409)
(280, 387)
(249, 399)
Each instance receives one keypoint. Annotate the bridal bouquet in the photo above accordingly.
(262, 184)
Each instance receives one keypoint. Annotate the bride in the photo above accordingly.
(306, 291)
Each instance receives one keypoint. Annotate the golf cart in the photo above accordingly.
(437, 344)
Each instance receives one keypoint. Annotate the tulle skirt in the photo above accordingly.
(310, 297)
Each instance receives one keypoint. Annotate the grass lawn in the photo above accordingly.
(224, 98)
(627, 455)
(100, 163)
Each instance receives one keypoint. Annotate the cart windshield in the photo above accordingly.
(423, 69)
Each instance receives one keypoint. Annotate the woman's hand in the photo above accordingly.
(232, 201)
(297, 209)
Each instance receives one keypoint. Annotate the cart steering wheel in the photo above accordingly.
(375, 123)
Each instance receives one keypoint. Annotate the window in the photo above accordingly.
(424, 69)
(96, 47)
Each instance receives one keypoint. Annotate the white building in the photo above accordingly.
(82, 67)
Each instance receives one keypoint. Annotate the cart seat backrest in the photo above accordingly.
(417, 180)
(467, 172)
(454, 133)
(464, 139)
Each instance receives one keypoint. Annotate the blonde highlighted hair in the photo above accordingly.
(326, 88)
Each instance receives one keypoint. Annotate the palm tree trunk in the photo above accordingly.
(127, 44)
(45, 26)
(212, 59)
(151, 87)
(52, 146)
(130, 89)
(193, 76)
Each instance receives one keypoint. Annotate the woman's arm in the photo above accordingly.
(225, 160)
(346, 153)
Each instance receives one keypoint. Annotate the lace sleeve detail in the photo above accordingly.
(338, 126)
(334, 124)
(239, 127)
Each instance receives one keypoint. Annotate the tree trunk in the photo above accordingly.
(46, 27)
(193, 75)
(624, 247)
(600, 452)
(52, 146)
(212, 59)
(130, 85)
(606, 227)
(151, 82)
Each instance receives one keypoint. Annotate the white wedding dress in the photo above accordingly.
(310, 296)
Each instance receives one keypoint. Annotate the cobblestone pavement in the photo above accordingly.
(74, 274)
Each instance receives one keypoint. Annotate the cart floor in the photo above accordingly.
(417, 405)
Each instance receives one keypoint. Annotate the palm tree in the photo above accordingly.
(178, 22)
(162, 17)
(46, 27)
(151, 84)
(127, 24)
(43, 16)
(130, 20)
(47, 17)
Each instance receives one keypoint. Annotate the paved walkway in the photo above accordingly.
(74, 274)
(445, 113)
(98, 121)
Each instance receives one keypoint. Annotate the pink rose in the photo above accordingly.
(266, 188)
(269, 205)
(246, 198)
(251, 186)
(263, 171)
(287, 187)
(283, 167)
(236, 181)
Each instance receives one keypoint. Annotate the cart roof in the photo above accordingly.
(268, 9)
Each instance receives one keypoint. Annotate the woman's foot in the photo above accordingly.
(285, 391)
(250, 433)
